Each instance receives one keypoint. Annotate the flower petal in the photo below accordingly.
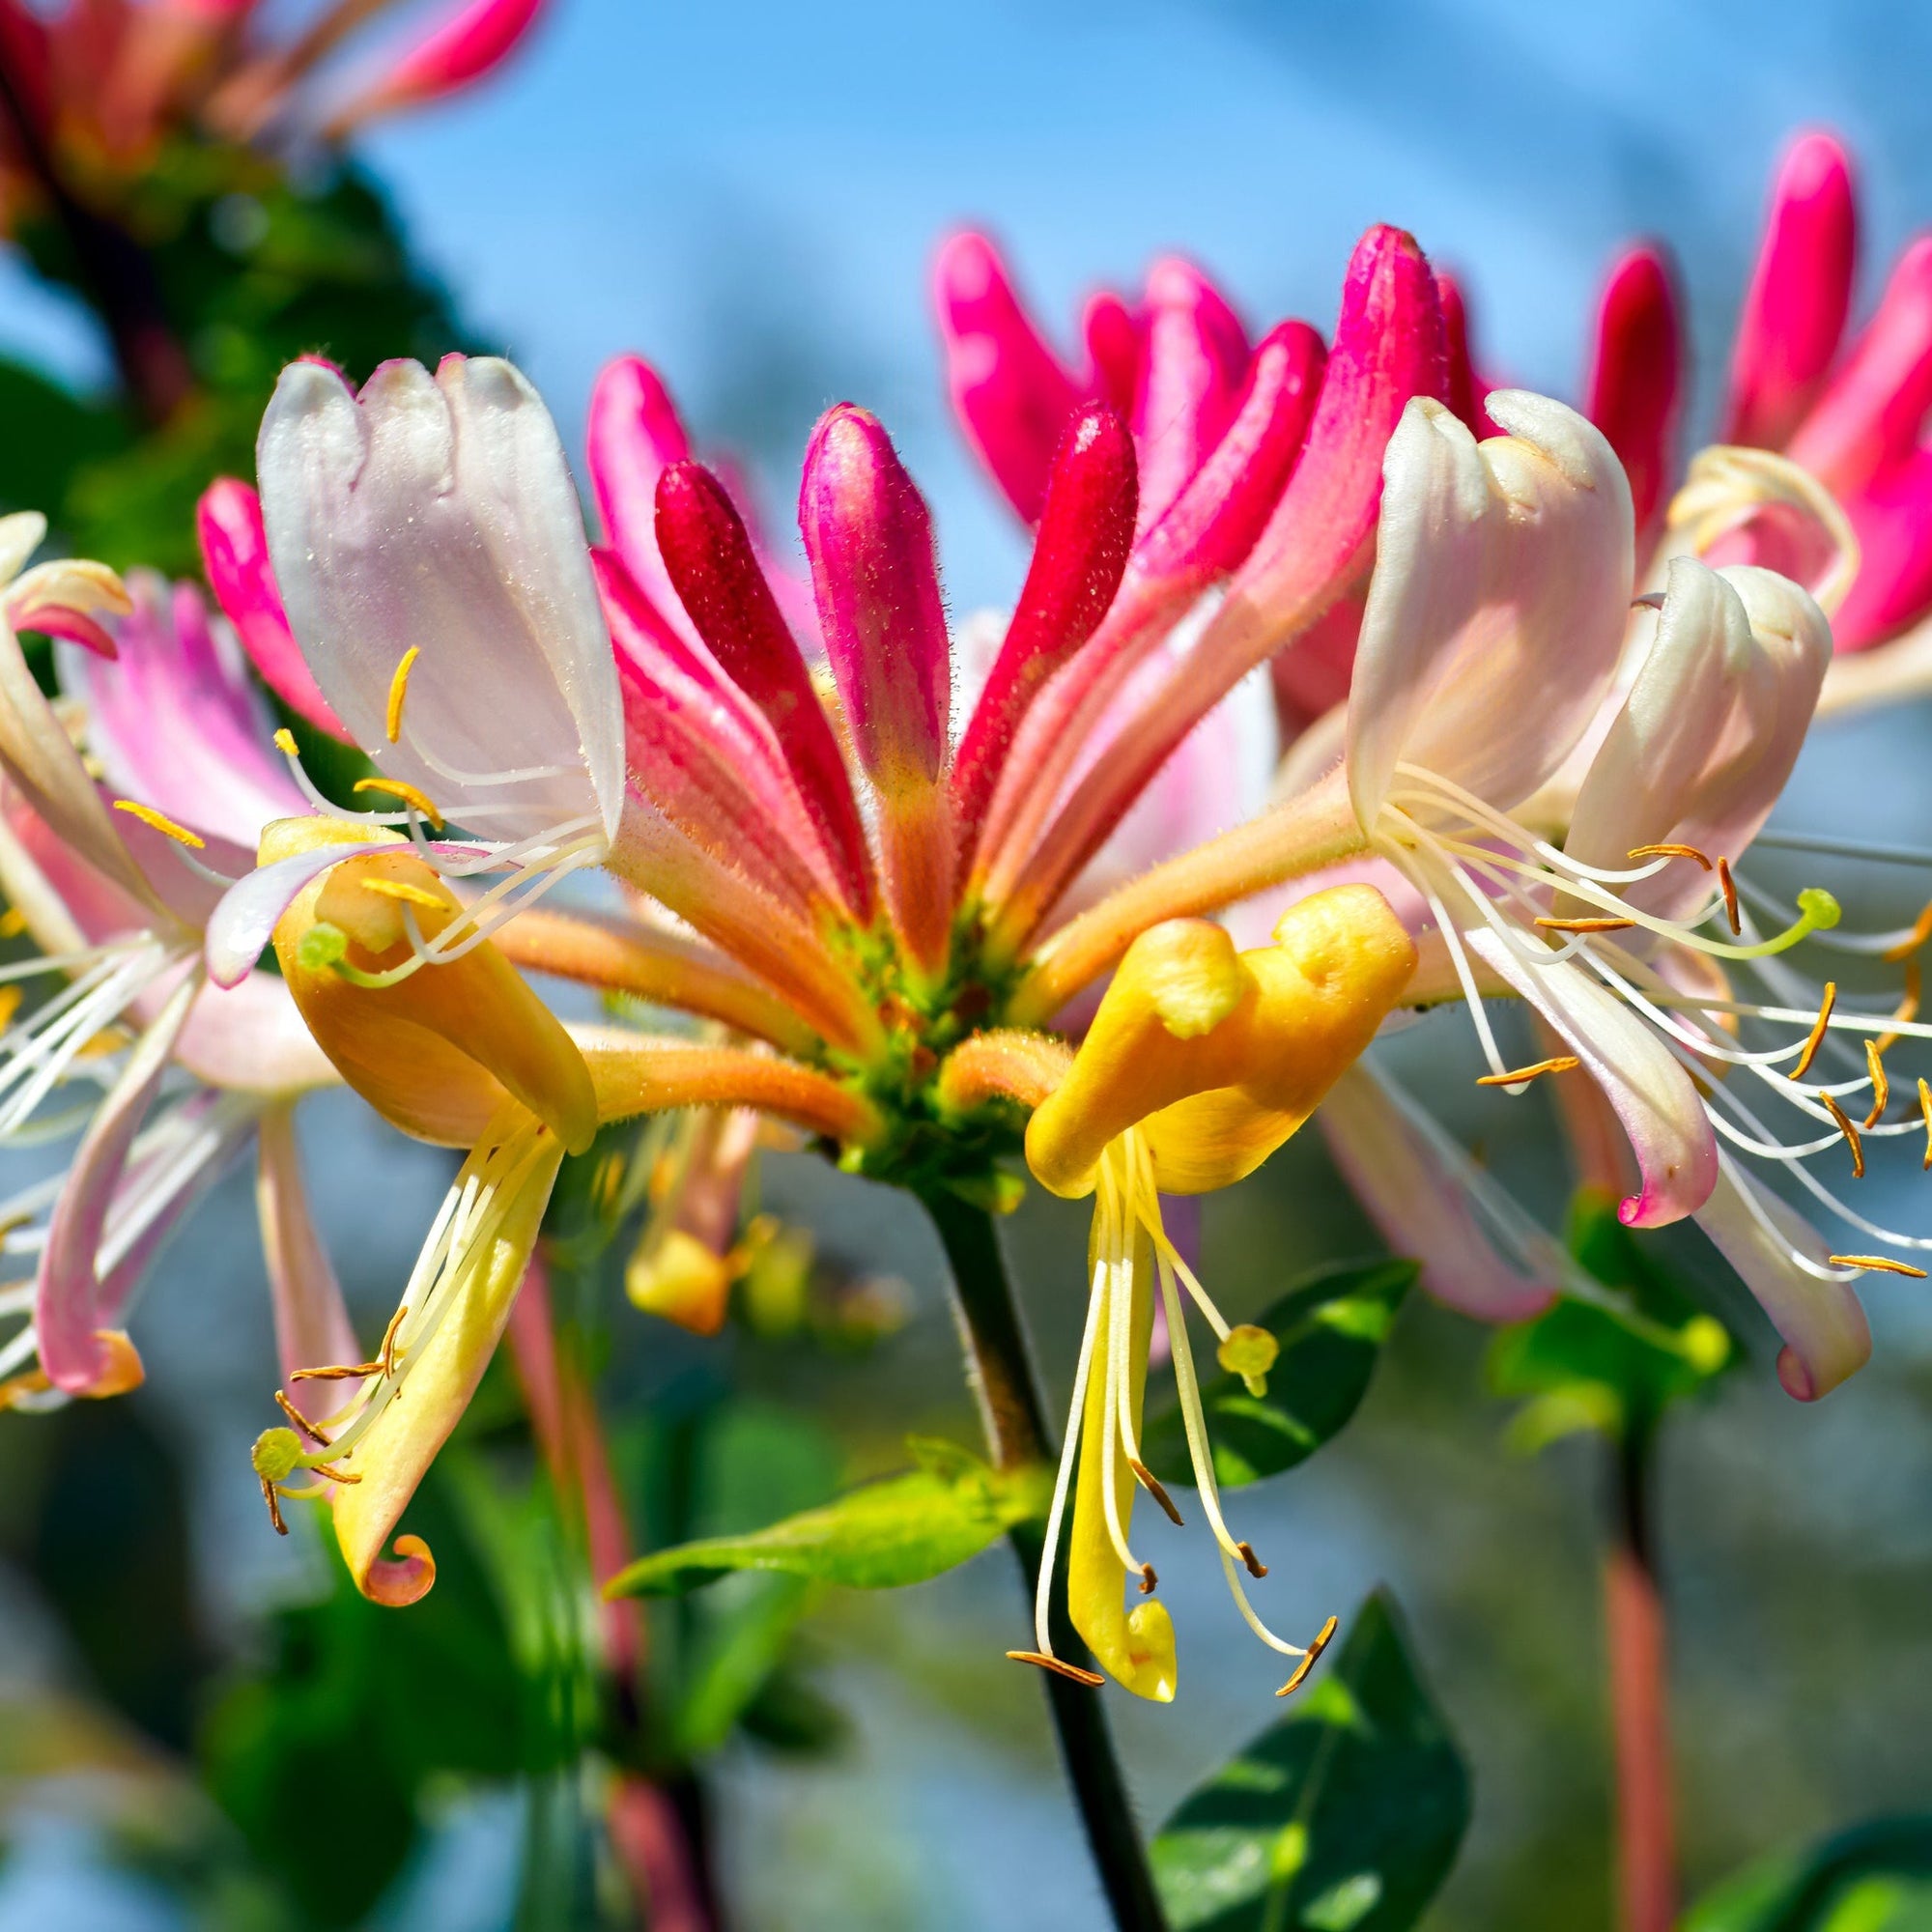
(439, 515)
(245, 922)
(1496, 612)
(632, 434)
(1653, 1096)
(1637, 378)
(1822, 1321)
(472, 39)
(312, 1328)
(1710, 729)
(1420, 1208)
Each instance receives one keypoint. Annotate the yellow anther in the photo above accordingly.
(1670, 851)
(1322, 1640)
(1920, 932)
(12, 922)
(1256, 1567)
(399, 686)
(1728, 886)
(1907, 1009)
(1149, 1581)
(402, 889)
(1586, 924)
(1152, 1485)
(1817, 1034)
(285, 743)
(1059, 1670)
(1843, 1122)
(10, 1004)
(400, 789)
(1562, 1062)
(274, 1502)
(1881, 1086)
(301, 1421)
(1880, 1263)
(1926, 1113)
(160, 822)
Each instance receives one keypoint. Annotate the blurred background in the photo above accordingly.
(751, 198)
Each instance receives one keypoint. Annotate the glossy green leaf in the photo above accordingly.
(1331, 1327)
(901, 1530)
(1345, 1816)
(1607, 1368)
(1875, 1877)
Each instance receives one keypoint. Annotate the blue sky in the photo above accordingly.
(749, 195)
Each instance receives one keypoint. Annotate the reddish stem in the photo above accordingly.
(1634, 1616)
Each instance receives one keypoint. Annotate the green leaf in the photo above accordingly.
(1860, 1880)
(1583, 1367)
(1330, 1327)
(900, 1531)
(1343, 1817)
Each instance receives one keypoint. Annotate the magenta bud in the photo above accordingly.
(1800, 293)
(631, 433)
(1085, 534)
(869, 539)
(1463, 389)
(1636, 377)
(711, 563)
(1191, 373)
(1114, 344)
(472, 39)
(1009, 389)
(235, 560)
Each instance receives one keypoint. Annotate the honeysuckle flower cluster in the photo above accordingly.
(105, 81)
(177, 1077)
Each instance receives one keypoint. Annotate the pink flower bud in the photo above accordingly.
(632, 433)
(1190, 377)
(869, 539)
(1008, 389)
(1636, 377)
(1800, 293)
(474, 39)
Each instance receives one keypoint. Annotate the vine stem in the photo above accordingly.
(1634, 1628)
(999, 1367)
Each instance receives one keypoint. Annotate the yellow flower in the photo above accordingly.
(1200, 1063)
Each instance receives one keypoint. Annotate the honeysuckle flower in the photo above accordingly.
(532, 708)
(115, 904)
(110, 79)
(1494, 645)
(1200, 1063)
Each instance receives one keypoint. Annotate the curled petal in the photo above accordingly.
(1812, 1307)
(437, 515)
(1801, 291)
(1653, 1096)
(66, 1294)
(1711, 728)
(235, 558)
(244, 921)
(1498, 605)
(1419, 1206)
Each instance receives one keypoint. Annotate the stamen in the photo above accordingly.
(1587, 924)
(1155, 1487)
(1256, 1567)
(1669, 851)
(1881, 1086)
(400, 789)
(1058, 1666)
(1728, 886)
(1880, 1262)
(274, 1506)
(1912, 940)
(12, 922)
(1907, 1009)
(161, 823)
(386, 1353)
(299, 1420)
(333, 1475)
(1817, 1035)
(10, 996)
(341, 1373)
(1323, 1638)
(1148, 1579)
(1926, 1113)
(1562, 1062)
(285, 743)
(1843, 1122)
(399, 686)
(410, 894)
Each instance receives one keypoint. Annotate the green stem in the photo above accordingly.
(1000, 1365)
